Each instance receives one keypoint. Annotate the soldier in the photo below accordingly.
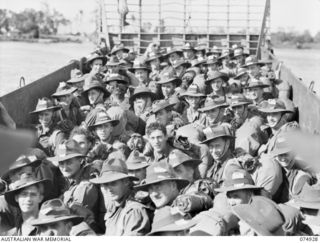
(117, 86)
(77, 81)
(200, 52)
(215, 52)
(141, 101)
(102, 127)
(124, 216)
(173, 55)
(27, 193)
(162, 184)
(260, 217)
(169, 221)
(253, 66)
(239, 56)
(212, 64)
(214, 110)
(227, 66)
(157, 138)
(254, 91)
(70, 107)
(154, 61)
(180, 67)
(217, 81)
(119, 51)
(55, 219)
(141, 71)
(189, 53)
(249, 136)
(194, 99)
(95, 62)
(220, 141)
(198, 195)
(49, 134)
(80, 194)
(137, 165)
(169, 81)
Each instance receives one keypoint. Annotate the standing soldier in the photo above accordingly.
(189, 53)
(254, 91)
(124, 216)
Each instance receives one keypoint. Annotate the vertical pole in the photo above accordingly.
(159, 22)
(140, 25)
(228, 23)
(262, 30)
(208, 23)
(184, 20)
(120, 25)
(248, 25)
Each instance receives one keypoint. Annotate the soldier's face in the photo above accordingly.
(238, 197)
(218, 148)
(188, 54)
(29, 199)
(213, 67)
(163, 116)
(173, 58)
(60, 228)
(113, 68)
(96, 66)
(83, 142)
(25, 170)
(158, 140)
(253, 70)
(140, 173)
(119, 54)
(115, 190)
(141, 75)
(214, 114)
(45, 118)
(239, 110)
(193, 102)
(94, 96)
(216, 84)
(65, 100)
(167, 89)
(139, 104)
(104, 131)
(255, 93)
(69, 168)
(184, 172)
(274, 119)
(163, 193)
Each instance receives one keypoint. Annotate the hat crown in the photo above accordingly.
(188, 46)
(177, 157)
(309, 194)
(54, 208)
(215, 74)
(114, 165)
(141, 89)
(139, 62)
(217, 131)
(239, 99)
(273, 104)
(251, 59)
(69, 147)
(117, 77)
(113, 59)
(193, 89)
(215, 49)
(159, 105)
(168, 216)
(160, 171)
(102, 117)
(63, 86)
(239, 179)
(23, 180)
(136, 158)
(214, 101)
(44, 103)
(238, 51)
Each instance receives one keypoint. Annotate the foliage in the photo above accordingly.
(30, 21)
(294, 37)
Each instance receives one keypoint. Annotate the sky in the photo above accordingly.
(296, 15)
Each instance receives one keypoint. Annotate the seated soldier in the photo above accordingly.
(173, 55)
(95, 63)
(141, 71)
(102, 128)
(153, 61)
(162, 113)
(243, 77)
(277, 120)
(157, 145)
(189, 53)
(94, 93)
(124, 216)
(198, 195)
(26, 194)
(141, 101)
(253, 66)
(70, 108)
(180, 67)
(77, 81)
(212, 64)
(239, 55)
(162, 184)
(217, 81)
(55, 219)
(80, 195)
(200, 51)
(249, 136)
(261, 217)
(169, 221)
(220, 141)
(120, 51)
(49, 134)
(254, 91)
(84, 138)
(215, 52)
(214, 110)
(117, 86)
(227, 65)
(194, 98)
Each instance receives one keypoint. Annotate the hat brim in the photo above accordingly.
(200, 95)
(245, 213)
(113, 123)
(277, 152)
(240, 75)
(48, 220)
(120, 49)
(270, 111)
(232, 188)
(63, 93)
(209, 108)
(225, 78)
(192, 162)
(180, 182)
(220, 136)
(240, 103)
(64, 158)
(86, 89)
(150, 59)
(52, 108)
(174, 227)
(10, 195)
(110, 177)
(76, 80)
(304, 204)
(137, 166)
(139, 68)
(257, 86)
(161, 108)
(134, 96)
(104, 60)
(171, 52)
(252, 63)
(177, 81)
(242, 54)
